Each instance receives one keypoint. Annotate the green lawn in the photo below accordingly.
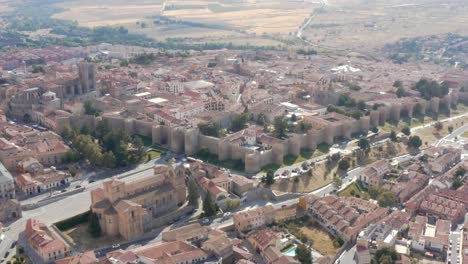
(206, 156)
(289, 159)
(465, 134)
(306, 154)
(152, 154)
(353, 190)
(147, 141)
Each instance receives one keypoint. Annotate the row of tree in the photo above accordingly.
(104, 147)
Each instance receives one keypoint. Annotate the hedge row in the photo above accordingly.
(73, 221)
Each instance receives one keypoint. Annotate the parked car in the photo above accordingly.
(116, 246)
(13, 244)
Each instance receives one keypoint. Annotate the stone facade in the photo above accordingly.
(128, 208)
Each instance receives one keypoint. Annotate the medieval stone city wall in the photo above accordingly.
(189, 141)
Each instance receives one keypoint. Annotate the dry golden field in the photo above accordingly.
(92, 13)
(360, 24)
(234, 22)
(5, 6)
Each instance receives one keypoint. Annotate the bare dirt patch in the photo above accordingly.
(83, 240)
(322, 242)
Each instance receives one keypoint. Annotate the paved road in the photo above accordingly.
(442, 121)
(453, 253)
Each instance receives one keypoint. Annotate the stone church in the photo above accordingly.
(128, 208)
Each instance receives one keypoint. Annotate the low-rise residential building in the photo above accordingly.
(373, 174)
(268, 243)
(362, 254)
(447, 158)
(384, 233)
(443, 204)
(18, 144)
(341, 217)
(47, 180)
(171, 252)
(46, 243)
(429, 237)
(408, 184)
(251, 219)
(189, 233)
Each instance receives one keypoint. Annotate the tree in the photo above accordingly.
(94, 228)
(457, 183)
(346, 100)
(37, 69)
(102, 129)
(280, 127)
(293, 118)
(400, 92)
(375, 129)
(209, 207)
(108, 160)
(460, 172)
(68, 133)
(193, 193)
(398, 84)
(304, 127)
(450, 129)
(414, 142)
(72, 170)
(270, 178)
(374, 192)
(364, 144)
(239, 122)
(387, 199)
(303, 254)
(337, 182)
(381, 255)
(438, 126)
(406, 131)
(90, 109)
(261, 119)
(209, 129)
(385, 260)
(336, 156)
(430, 88)
(124, 63)
(361, 105)
(356, 114)
(343, 165)
(20, 250)
(71, 156)
(393, 136)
